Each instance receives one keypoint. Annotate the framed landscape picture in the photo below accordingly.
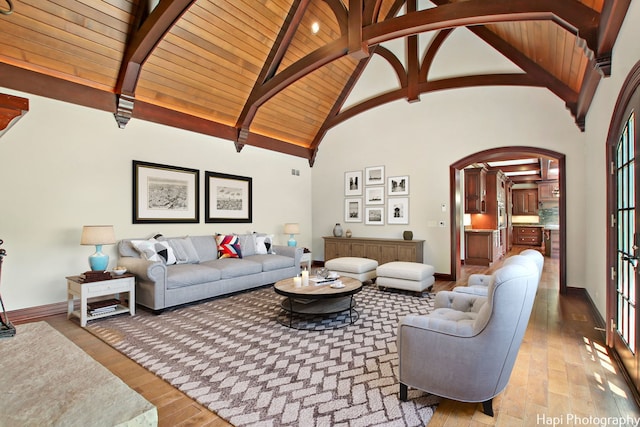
(228, 198)
(353, 210)
(353, 183)
(374, 175)
(398, 186)
(374, 196)
(165, 194)
(398, 210)
(374, 216)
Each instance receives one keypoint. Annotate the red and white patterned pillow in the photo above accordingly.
(228, 246)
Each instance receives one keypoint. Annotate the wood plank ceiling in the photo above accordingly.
(253, 72)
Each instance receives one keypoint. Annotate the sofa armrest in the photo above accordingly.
(145, 270)
(294, 252)
(480, 280)
(459, 301)
(474, 290)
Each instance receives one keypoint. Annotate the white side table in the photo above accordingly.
(306, 257)
(77, 288)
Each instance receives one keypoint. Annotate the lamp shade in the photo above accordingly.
(292, 228)
(98, 235)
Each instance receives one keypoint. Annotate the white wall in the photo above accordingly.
(423, 139)
(64, 166)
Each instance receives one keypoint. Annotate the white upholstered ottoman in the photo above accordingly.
(362, 269)
(409, 276)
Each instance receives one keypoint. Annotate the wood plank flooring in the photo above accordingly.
(563, 370)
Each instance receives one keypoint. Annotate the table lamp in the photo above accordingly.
(98, 235)
(291, 229)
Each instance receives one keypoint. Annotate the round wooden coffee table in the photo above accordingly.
(316, 300)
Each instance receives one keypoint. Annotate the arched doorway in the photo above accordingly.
(457, 200)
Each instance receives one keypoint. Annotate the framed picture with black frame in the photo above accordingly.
(165, 194)
(228, 198)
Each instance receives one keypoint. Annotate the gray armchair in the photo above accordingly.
(466, 348)
(478, 283)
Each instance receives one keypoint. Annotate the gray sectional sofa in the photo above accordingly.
(194, 270)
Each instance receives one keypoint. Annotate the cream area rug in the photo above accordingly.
(47, 380)
(231, 355)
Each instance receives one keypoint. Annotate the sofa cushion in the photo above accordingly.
(234, 267)
(271, 262)
(155, 250)
(184, 250)
(206, 247)
(181, 275)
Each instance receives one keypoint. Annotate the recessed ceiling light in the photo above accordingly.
(512, 162)
(521, 173)
(315, 27)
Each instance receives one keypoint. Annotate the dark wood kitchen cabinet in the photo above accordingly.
(482, 247)
(475, 190)
(548, 191)
(525, 201)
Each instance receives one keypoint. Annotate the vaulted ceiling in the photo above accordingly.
(254, 72)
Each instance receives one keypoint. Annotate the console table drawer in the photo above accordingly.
(113, 286)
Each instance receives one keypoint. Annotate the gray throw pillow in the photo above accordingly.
(184, 251)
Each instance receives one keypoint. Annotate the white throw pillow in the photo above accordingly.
(264, 244)
(154, 250)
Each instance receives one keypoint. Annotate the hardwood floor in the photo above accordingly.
(563, 371)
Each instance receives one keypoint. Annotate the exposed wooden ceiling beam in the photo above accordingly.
(141, 44)
(51, 87)
(12, 108)
(337, 106)
(572, 15)
(278, 50)
(395, 63)
(358, 49)
(156, 114)
(613, 13)
(432, 86)
(534, 70)
(430, 54)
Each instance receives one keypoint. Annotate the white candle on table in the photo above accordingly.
(305, 278)
(297, 281)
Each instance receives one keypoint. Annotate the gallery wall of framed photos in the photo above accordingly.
(371, 196)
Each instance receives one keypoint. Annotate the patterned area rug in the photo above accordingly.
(232, 356)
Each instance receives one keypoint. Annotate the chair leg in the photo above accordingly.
(404, 391)
(487, 407)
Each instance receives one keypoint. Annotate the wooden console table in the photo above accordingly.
(382, 250)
